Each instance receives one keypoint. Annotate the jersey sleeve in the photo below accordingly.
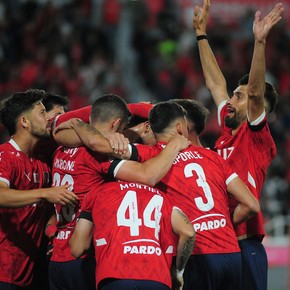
(140, 109)
(222, 110)
(86, 215)
(6, 167)
(82, 113)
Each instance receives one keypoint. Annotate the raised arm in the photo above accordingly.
(214, 78)
(183, 228)
(256, 85)
(248, 204)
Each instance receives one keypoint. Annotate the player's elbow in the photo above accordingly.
(148, 180)
(76, 247)
(189, 233)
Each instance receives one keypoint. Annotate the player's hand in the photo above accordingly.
(200, 18)
(177, 279)
(179, 141)
(60, 195)
(49, 249)
(118, 142)
(262, 26)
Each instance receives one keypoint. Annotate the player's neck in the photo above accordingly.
(26, 144)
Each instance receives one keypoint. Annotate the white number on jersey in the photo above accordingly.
(201, 182)
(129, 204)
(67, 212)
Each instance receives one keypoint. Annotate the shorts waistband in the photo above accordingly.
(249, 237)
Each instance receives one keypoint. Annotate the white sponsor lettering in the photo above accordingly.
(145, 250)
(210, 225)
(63, 235)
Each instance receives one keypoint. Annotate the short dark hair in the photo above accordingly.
(50, 100)
(163, 114)
(271, 95)
(197, 113)
(109, 106)
(135, 120)
(15, 105)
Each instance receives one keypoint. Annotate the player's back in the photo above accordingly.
(197, 183)
(82, 170)
(128, 220)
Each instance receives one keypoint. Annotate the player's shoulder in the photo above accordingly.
(9, 151)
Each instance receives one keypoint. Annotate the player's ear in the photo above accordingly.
(179, 128)
(147, 127)
(116, 124)
(24, 121)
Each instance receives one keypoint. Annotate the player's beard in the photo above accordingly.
(40, 132)
(233, 122)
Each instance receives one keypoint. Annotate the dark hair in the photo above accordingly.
(271, 95)
(163, 114)
(16, 104)
(109, 106)
(51, 100)
(135, 120)
(197, 113)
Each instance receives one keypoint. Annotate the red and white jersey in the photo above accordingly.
(82, 169)
(197, 183)
(21, 229)
(249, 152)
(133, 236)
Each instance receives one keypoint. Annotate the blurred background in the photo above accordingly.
(145, 50)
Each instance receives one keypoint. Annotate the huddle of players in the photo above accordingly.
(162, 210)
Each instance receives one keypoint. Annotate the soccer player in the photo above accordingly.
(133, 228)
(83, 169)
(245, 142)
(199, 182)
(71, 120)
(24, 192)
(55, 105)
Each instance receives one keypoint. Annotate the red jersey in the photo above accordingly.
(82, 169)
(139, 109)
(82, 113)
(197, 183)
(131, 222)
(249, 152)
(21, 229)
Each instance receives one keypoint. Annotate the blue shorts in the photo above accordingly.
(72, 275)
(213, 272)
(254, 264)
(117, 284)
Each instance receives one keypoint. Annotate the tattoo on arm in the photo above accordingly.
(186, 252)
(89, 128)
